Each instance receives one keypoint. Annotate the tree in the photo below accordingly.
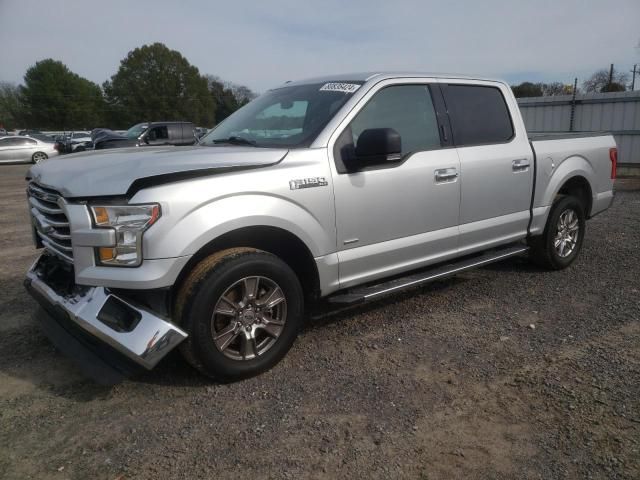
(155, 83)
(11, 108)
(555, 88)
(599, 82)
(54, 97)
(527, 89)
(227, 96)
(241, 93)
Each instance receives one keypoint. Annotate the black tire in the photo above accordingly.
(204, 288)
(543, 250)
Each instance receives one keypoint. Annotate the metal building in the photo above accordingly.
(616, 112)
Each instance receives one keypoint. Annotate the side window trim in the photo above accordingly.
(444, 122)
(442, 118)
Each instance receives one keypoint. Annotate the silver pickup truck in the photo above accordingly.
(326, 191)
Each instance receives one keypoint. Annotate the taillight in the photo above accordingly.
(613, 156)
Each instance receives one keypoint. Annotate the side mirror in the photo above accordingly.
(379, 145)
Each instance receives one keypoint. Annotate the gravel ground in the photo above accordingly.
(448, 381)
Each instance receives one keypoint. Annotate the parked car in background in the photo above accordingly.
(25, 149)
(42, 137)
(74, 142)
(3, 132)
(29, 132)
(146, 134)
(201, 132)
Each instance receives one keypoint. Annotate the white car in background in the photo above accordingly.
(25, 149)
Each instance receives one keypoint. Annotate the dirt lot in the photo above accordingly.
(448, 381)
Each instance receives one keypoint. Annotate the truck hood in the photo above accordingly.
(119, 171)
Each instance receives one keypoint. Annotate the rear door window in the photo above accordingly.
(479, 115)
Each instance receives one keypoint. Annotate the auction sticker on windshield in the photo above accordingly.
(340, 87)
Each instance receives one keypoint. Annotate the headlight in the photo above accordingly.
(129, 222)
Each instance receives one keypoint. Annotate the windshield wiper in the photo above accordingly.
(235, 140)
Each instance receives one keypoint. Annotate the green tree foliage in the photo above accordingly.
(599, 82)
(55, 97)
(11, 108)
(227, 96)
(155, 83)
(529, 89)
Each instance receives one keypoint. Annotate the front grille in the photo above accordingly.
(50, 222)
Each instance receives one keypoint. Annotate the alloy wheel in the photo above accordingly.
(38, 157)
(567, 231)
(248, 318)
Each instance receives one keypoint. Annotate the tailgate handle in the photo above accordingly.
(520, 165)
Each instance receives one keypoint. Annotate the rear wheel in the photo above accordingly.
(242, 309)
(561, 241)
(38, 157)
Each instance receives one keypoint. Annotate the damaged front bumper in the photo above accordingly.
(113, 329)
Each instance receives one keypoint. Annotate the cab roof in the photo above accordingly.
(377, 76)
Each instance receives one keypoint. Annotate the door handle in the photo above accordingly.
(520, 165)
(445, 175)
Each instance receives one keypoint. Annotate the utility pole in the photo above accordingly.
(633, 77)
(610, 78)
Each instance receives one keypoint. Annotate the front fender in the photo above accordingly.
(223, 215)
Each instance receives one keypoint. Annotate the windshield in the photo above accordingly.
(136, 130)
(285, 117)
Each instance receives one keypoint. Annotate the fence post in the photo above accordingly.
(573, 104)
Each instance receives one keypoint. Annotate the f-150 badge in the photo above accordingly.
(308, 183)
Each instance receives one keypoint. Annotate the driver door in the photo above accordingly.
(397, 215)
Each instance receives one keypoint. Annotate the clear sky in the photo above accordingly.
(264, 43)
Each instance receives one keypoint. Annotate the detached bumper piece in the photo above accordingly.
(108, 337)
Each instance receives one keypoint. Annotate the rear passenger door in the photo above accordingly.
(402, 214)
(496, 164)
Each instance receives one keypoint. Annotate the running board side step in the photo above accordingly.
(374, 292)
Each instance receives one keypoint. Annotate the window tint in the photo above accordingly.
(28, 141)
(158, 133)
(13, 142)
(478, 115)
(408, 109)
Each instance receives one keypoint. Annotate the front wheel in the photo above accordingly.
(242, 309)
(563, 235)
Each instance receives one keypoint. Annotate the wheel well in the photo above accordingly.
(578, 187)
(277, 241)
